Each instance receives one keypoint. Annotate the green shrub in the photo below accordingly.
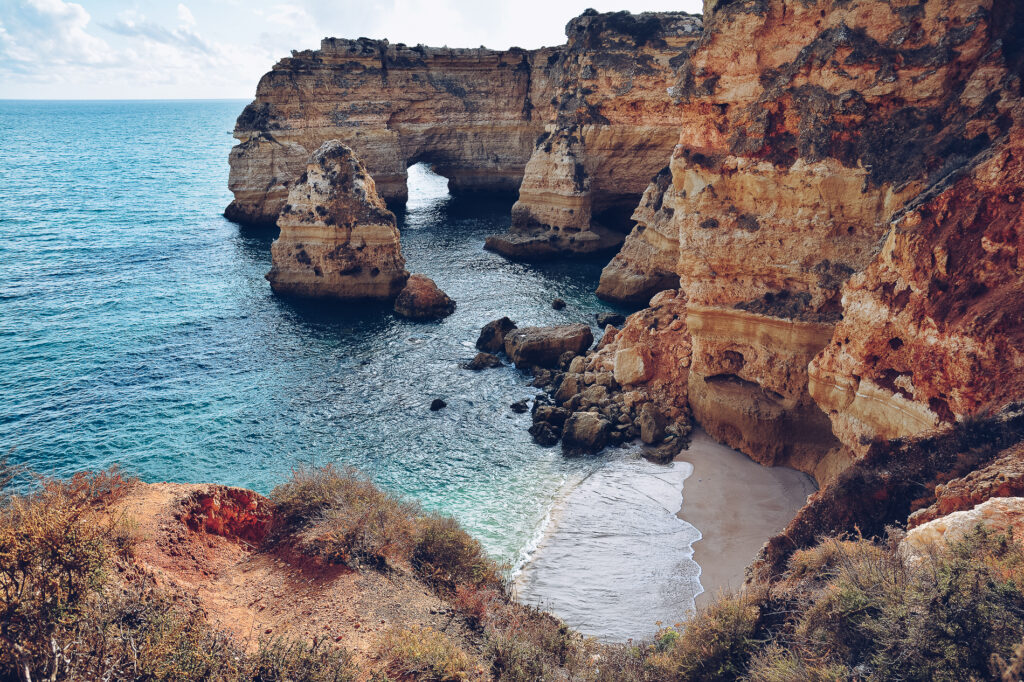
(716, 643)
(424, 654)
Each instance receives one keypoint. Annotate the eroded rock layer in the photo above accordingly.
(612, 129)
(337, 239)
(808, 127)
(593, 119)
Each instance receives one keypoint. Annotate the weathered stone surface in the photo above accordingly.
(808, 129)
(612, 129)
(933, 329)
(1000, 515)
(1003, 477)
(542, 346)
(585, 432)
(652, 424)
(614, 319)
(492, 336)
(592, 117)
(422, 300)
(337, 237)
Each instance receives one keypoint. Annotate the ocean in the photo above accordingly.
(137, 330)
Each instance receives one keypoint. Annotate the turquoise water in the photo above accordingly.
(136, 328)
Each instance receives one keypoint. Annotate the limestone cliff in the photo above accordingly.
(592, 118)
(808, 127)
(473, 113)
(612, 129)
(337, 239)
(933, 330)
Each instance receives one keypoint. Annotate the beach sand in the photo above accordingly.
(736, 504)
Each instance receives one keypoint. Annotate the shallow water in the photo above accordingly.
(136, 328)
(616, 540)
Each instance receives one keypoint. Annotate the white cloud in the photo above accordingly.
(185, 15)
(51, 33)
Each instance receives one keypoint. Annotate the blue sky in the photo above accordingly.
(52, 49)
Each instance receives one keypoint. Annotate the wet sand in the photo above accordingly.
(736, 504)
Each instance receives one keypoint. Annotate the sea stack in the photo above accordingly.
(338, 239)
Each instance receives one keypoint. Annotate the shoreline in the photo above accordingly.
(735, 504)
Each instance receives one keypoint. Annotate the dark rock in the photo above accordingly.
(543, 346)
(520, 406)
(651, 423)
(614, 319)
(483, 361)
(667, 451)
(542, 378)
(565, 359)
(558, 304)
(585, 432)
(492, 336)
(422, 300)
(550, 414)
(545, 434)
(437, 404)
(571, 385)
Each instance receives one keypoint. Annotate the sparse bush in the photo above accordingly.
(717, 642)
(344, 518)
(424, 654)
(448, 556)
(53, 550)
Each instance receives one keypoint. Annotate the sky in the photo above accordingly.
(123, 49)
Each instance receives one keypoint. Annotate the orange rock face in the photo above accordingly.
(592, 118)
(613, 126)
(933, 329)
(807, 128)
(337, 239)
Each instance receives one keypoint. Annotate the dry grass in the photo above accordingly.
(425, 654)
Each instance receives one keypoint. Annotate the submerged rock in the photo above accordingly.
(337, 239)
(422, 300)
(543, 346)
(492, 336)
(558, 304)
(483, 361)
(520, 406)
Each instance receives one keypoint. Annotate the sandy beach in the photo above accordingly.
(736, 504)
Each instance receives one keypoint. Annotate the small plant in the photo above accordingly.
(424, 654)
(448, 556)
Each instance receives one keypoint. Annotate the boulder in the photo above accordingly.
(337, 238)
(544, 346)
(652, 424)
(631, 367)
(585, 432)
(492, 336)
(558, 304)
(545, 434)
(437, 404)
(520, 406)
(422, 300)
(483, 361)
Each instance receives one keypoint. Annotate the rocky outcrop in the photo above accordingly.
(1003, 515)
(474, 114)
(612, 129)
(530, 347)
(933, 329)
(793, 160)
(588, 123)
(337, 237)
(421, 299)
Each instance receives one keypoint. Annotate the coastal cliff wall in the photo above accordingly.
(592, 118)
(811, 131)
(473, 113)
